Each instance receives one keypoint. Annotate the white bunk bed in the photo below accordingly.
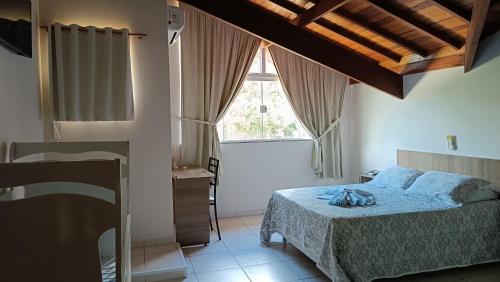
(79, 151)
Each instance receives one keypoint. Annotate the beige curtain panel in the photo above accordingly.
(215, 59)
(316, 95)
(90, 76)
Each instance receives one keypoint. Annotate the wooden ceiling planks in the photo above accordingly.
(450, 17)
(410, 19)
(326, 28)
(403, 36)
(317, 11)
(278, 30)
(453, 9)
(383, 33)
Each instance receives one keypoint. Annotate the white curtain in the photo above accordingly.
(316, 94)
(90, 76)
(215, 59)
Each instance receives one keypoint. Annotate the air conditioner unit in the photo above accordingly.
(175, 23)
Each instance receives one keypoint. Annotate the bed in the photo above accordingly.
(77, 151)
(402, 234)
(55, 236)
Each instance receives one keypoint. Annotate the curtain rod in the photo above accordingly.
(139, 35)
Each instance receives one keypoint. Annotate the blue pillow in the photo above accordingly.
(449, 187)
(396, 177)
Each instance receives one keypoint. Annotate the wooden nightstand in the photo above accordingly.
(365, 177)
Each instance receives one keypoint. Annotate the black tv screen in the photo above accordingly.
(15, 26)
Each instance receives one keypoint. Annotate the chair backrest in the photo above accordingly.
(213, 167)
(55, 237)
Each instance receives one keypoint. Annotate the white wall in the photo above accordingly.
(20, 112)
(252, 171)
(149, 133)
(437, 103)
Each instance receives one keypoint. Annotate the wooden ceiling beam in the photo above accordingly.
(410, 19)
(365, 24)
(479, 13)
(342, 31)
(269, 26)
(453, 9)
(317, 11)
(430, 65)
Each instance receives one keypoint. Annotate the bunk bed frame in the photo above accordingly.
(54, 237)
(78, 151)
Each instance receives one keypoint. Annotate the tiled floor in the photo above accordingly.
(239, 257)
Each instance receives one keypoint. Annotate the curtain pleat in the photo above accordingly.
(316, 95)
(90, 74)
(215, 60)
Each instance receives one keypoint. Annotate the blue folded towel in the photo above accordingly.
(344, 197)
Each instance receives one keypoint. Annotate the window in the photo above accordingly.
(261, 110)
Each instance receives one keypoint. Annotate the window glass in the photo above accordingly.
(257, 63)
(280, 120)
(243, 119)
(261, 110)
(270, 68)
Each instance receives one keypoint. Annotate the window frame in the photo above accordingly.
(263, 76)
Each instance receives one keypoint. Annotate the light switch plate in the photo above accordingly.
(263, 109)
(452, 142)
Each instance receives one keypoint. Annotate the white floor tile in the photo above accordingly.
(189, 278)
(217, 247)
(271, 272)
(244, 243)
(304, 268)
(189, 266)
(228, 275)
(213, 236)
(259, 255)
(276, 239)
(213, 262)
(287, 252)
(251, 219)
(255, 228)
(235, 232)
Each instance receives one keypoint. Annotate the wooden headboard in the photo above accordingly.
(488, 169)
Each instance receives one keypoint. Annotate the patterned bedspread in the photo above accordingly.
(401, 234)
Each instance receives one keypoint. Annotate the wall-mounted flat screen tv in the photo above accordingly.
(15, 26)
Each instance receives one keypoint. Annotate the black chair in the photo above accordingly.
(213, 167)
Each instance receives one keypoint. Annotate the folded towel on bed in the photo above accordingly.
(344, 197)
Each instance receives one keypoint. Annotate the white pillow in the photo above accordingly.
(449, 187)
(396, 177)
(482, 194)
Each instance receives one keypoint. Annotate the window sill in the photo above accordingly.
(265, 140)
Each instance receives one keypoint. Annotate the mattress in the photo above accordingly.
(108, 269)
(400, 235)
